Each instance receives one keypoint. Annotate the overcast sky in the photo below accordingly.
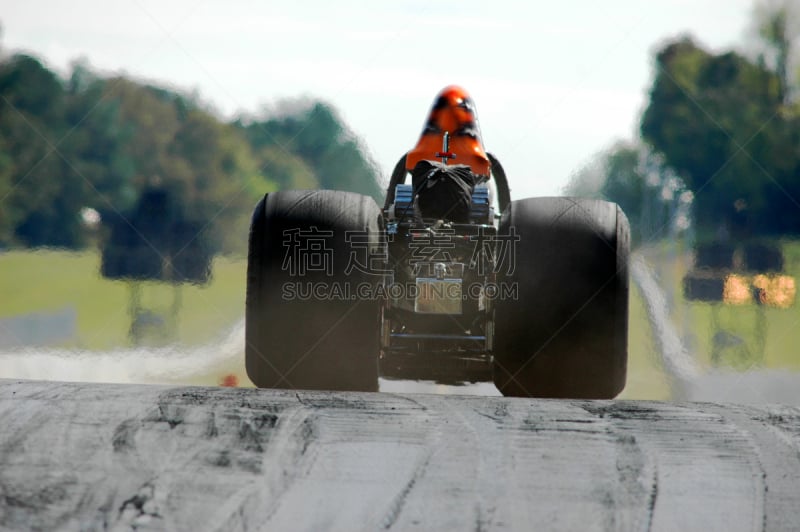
(554, 82)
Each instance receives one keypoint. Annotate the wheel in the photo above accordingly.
(310, 254)
(561, 330)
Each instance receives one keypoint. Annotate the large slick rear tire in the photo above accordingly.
(565, 334)
(303, 330)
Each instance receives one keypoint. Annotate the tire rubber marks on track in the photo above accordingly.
(280, 438)
(396, 507)
(691, 447)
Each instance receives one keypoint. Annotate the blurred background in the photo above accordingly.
(175, 120)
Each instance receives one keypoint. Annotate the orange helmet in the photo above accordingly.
(453, 113)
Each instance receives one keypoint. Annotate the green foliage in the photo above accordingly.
(721, 122)
(724, 125)
(653, 197)
(777, 23)
(42, 187)
(87, 141)
(624, 182)
(314, 134)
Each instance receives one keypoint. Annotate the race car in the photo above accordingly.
(449, 281)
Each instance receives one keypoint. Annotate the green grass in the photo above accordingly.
(52, 280)
(646, 377)
(761, 336)
(45, 281)
(766, 337)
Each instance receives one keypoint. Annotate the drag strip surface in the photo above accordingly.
(119, 457)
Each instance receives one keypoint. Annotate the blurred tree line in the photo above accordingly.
(724, 127)
(88, 142)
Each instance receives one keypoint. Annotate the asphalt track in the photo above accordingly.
(120, 457)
